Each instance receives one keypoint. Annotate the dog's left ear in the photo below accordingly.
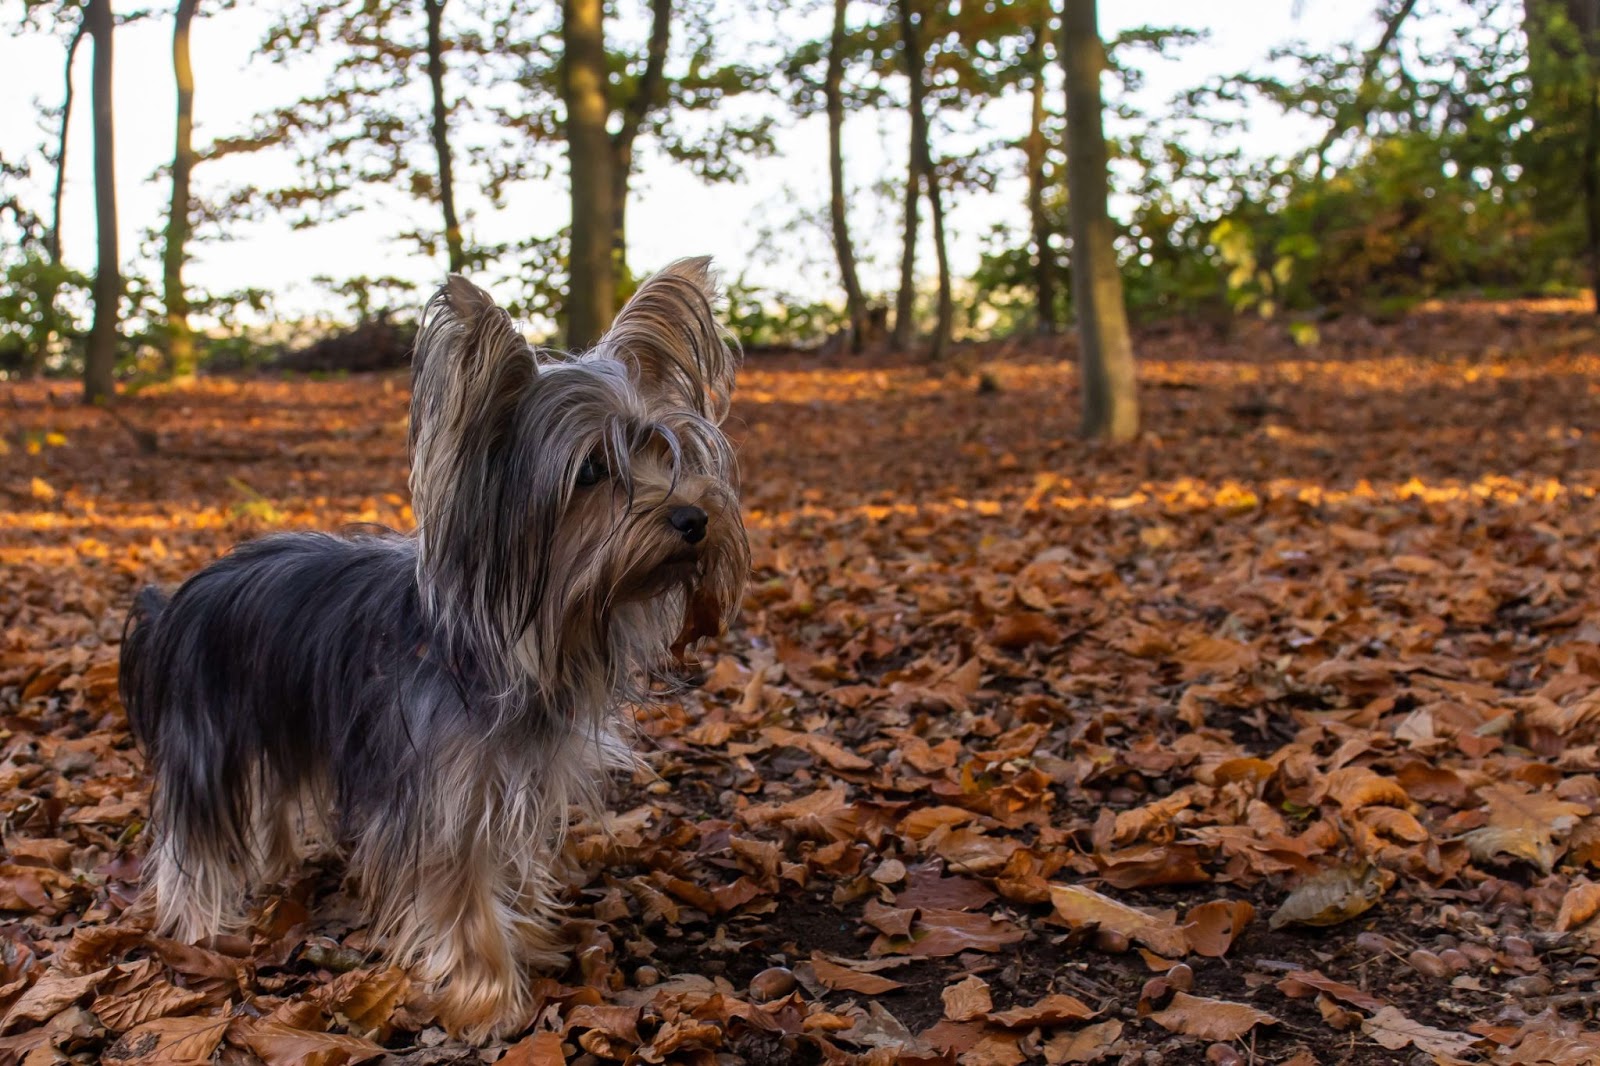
(668, 334)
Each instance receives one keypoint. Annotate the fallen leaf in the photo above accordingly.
(1211, 928)
(1088, 1044)
(1524, 825)
(1335, 895)
(1054, 1009)
(1210, 1019)
(1080, 907)
(1389, 1027)
(967, 999)
(169, 1042)
(280, 1045)
(843, 979)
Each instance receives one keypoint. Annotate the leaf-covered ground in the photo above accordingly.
(1271, 738)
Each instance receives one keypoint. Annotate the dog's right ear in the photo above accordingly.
(469, 370)
(469, 364)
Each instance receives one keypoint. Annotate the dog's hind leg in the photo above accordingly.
(198, 883)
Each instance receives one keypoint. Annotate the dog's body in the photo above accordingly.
(434, 703)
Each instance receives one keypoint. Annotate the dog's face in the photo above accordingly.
(574, 513)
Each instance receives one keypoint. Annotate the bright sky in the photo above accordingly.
(671, 213)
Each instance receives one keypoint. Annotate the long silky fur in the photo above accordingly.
(435, 704)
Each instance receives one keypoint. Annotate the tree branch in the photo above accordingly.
(1369, 70)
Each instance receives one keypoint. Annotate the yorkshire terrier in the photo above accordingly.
(435, 703)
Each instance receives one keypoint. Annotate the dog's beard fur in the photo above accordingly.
(435, 704)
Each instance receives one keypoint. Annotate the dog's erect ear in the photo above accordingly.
(469, 370)
(469, 363)
(668, 334)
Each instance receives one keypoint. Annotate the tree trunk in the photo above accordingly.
(441, 135)
(1554, 56)
(101, 360)
(53, 239)
(945, 322)
(1044, 273)
(180, 340)
(1591, 186)
(1110, 398)
(591, 293)
(905, 301)
(833, 88)
(645, 98)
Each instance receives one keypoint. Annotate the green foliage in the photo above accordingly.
(766, 318)
(41, 315)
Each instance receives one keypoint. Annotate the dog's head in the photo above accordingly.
(575, 512)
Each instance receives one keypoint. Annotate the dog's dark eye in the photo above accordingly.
(591, 472)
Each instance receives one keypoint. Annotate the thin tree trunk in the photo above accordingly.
(946, 318)
(1110, 398)
(53, 238)
(855, 303)
(1044, 274)
(180, 340)
(591, 293)
(646, 97)
(100, 362)
(905, 301)
(441, 135)
(1591, 187)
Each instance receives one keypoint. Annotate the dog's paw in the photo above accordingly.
(479, 1005)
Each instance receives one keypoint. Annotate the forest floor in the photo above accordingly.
(1270, 738)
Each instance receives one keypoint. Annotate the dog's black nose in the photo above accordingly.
(690, 521)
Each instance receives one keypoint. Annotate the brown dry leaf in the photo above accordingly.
(1303, 983)
(1079, 906)
(1335, 895)
(967, 999)
(1210, 1019)
(169, 1042)
(125, 1010)
(1022, 628)
(1389, 1027)
(1580, 908)
(1089, 1044)
(938, 933)
(540, 1049)
(1354, 787)
(1524, 825)
(843, 979)
(1055, 1009)
(367, 998)
(1211, 928)
(1217, 656)
(48, 995)
(994, 1049)
(281, 1045)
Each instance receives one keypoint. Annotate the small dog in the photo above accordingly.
(435, 702)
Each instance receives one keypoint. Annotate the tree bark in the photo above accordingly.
(180, 340)
(855, 303)
(646, 97)
(100, 362)
(1044, 274)
(1591, 186)
(1110, 398)
(905, 301)
(945, 322)
(591, 294)
(53, 239)
(441, 136)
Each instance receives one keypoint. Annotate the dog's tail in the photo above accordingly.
(133, 673)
